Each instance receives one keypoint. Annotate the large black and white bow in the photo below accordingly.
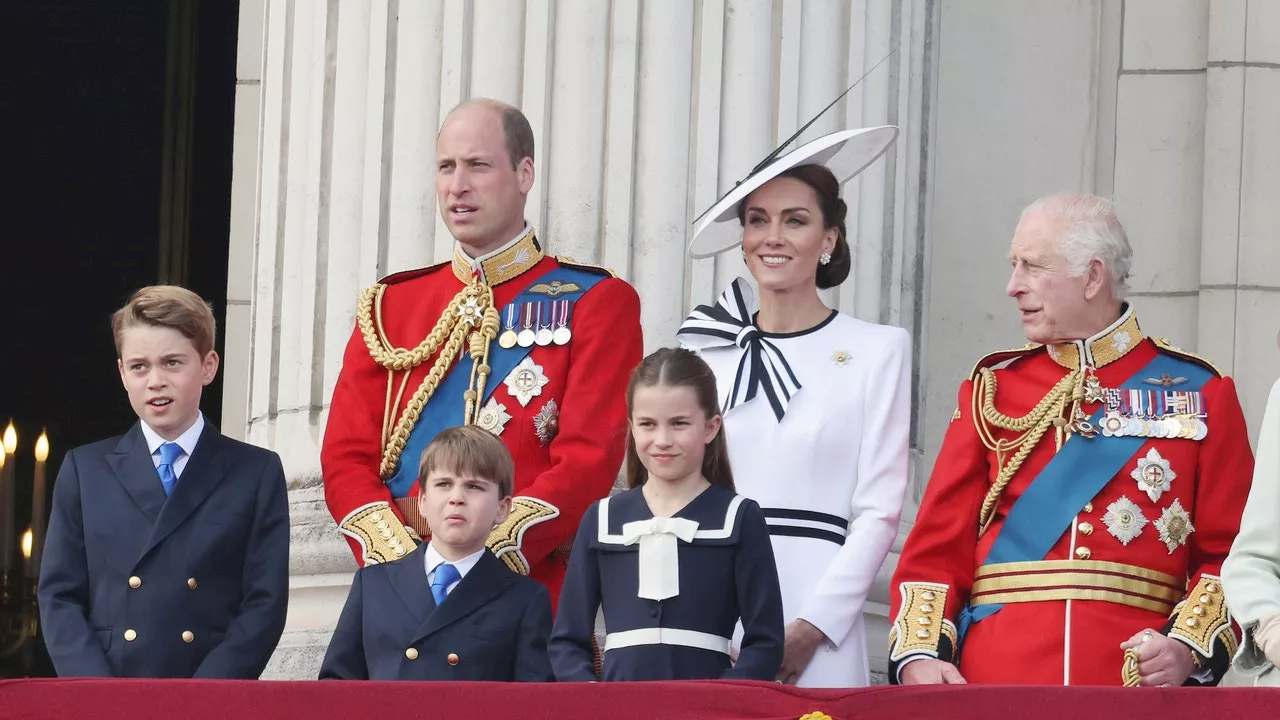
(762, 368)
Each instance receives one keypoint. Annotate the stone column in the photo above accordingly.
(1240, 255)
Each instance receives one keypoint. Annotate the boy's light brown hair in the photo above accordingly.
(471, 451)
(172, 307)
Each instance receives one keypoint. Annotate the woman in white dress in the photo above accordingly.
(816, 403)
(1251, 573)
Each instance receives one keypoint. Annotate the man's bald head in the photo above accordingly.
(515, 126)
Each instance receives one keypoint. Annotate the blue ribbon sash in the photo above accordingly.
(445, 408)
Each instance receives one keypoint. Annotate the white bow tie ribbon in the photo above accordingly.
(762, 368)
(659, 553)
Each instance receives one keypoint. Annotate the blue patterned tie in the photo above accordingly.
(169, 454)
(445, 576)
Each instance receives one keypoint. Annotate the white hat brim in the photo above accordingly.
(845, 153)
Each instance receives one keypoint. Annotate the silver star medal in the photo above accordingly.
(1174, 526)
(493, 417)
(1153, 475)
(546, 424)
(525, 381)
(1124, 520)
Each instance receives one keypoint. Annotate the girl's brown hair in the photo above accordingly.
(677, 367)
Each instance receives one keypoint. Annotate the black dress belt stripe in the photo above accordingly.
(807, 532)
(786, 514)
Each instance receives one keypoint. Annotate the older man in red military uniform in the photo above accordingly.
(1085, 495)
(536, 349)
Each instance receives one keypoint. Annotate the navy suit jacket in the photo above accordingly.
(493, 626)
(137, 584)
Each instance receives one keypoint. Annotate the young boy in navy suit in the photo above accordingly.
(449, 609)
(168, 546)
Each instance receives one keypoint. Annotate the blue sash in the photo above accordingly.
(1071, 479)
(445, 408)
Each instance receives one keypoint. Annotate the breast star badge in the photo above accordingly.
(1153, 474)
(547, 422)
(469, 312)
(525, 381)
(840, 357)
(493, 417)
(1124, 520)
(1174, 526)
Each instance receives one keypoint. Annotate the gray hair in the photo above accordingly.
(1090, 230)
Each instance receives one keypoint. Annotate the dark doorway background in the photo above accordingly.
(82, 137)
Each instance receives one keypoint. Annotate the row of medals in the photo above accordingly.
(1115, 424)
(528, 337)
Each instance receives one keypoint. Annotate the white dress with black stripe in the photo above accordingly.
(828, 464)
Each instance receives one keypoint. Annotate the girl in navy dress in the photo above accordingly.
(679, 558)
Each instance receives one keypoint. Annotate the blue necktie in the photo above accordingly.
(169, 454)
(445, 576)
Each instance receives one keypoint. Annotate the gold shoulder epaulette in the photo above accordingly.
(1166, 346)
(995, 358)
(599, 269)
(404, 275)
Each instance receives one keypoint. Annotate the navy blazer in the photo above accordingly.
(137, 584)
(493, 626)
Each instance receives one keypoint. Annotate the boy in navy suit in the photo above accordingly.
(168, 546)
(449, 609)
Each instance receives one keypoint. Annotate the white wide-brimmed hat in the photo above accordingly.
(845, 153)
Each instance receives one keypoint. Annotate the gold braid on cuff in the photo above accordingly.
(506, 539)
(921, 621)
(381, 535)
(1203, 618)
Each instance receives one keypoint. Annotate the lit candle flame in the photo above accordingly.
(42, 447)
(10, 439)
(26, 544)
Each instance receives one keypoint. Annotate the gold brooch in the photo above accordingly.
(840, 357)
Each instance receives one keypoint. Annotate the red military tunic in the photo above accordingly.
(1145, 552)
(567, 439)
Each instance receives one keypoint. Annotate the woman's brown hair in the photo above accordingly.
(834, 210)
(677, 367)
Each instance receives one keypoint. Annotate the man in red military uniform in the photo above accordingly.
(1085, 495)
(536, 349)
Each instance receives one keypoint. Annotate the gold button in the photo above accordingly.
(1083, 553)
(411, 653)
(1205, 599)
(922, 634)
(1088, 507)
(386, 534)
(135, 582)
(1192, 622)
(926, 608)
(382, 525)
(927, 595)
(924, 621)
(1085, 528)
(191, 583)
(452, 659)
(398, 550)
(1197, 610)
(130, 635)
(188, 636)
(376, 516)
(395, 541)
(1211, 587)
